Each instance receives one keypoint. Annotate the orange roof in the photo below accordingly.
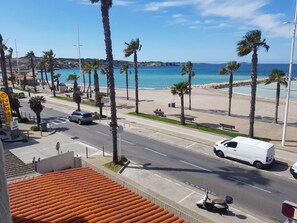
(80, 195)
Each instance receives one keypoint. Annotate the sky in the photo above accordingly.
(200, 31)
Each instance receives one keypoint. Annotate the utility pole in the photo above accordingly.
(79, 59)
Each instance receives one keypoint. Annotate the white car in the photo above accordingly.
(293, 170)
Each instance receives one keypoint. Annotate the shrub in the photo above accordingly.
(122, 160)
(35, 128)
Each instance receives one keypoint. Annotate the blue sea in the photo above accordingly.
(165, 76)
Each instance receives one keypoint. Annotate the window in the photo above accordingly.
(231, 144)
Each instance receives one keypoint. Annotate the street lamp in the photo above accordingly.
(289, 79)
(79, 60)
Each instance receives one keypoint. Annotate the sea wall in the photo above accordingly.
(226, 84)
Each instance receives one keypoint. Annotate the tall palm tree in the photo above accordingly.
(104, 71)
(57, 79)
(36, 106)
(50, 56)
(105, 6)
(9, 58)
(188, 69)
(31, 56)
(87, 69)
(277, 76)
(231, 67)
(41, 66)
(94, 65)
(74, 78)
(24, 79)
(252, 42)
(3, 64)
(132, 48)
(125, 69)
(77, 99)
(181, 89)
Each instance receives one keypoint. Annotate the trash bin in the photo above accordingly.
(173, 104)
(43, 126)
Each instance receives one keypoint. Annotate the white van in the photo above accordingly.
(256, 152)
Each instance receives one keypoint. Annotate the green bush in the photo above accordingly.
(122, 160)
(23, 120)
(96, 116)
(35, 128)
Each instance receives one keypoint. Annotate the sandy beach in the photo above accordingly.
(210, 107)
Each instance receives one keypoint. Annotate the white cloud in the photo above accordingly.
(239, 12)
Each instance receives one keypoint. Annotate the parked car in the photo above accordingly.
(21, 95)
(81, 117)
(253, 151)
(293, 170)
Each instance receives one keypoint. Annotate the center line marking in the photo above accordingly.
(259, 188)
(102, 133)
(198, 167)
(162, 154)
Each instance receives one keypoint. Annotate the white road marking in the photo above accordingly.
(102, 133)
(162, 154)
(131, 143)
(86, 145)
(186, 197)
(259, 188)
(191, 145)
(198, 167)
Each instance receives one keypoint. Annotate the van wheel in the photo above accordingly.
(258, 165)
(79, 122)
(220, 154)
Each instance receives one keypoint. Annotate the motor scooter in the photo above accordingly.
(216, 205)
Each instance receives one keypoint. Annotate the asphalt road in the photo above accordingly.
(258, 191)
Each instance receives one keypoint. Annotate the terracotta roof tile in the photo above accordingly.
(80, 196)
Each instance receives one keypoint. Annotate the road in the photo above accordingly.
(258, 191)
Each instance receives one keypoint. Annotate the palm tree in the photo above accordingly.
(3, 64)
(24, 79)
(49, 57)
(105, 6)
(125, 69)
(277, 76)
(41, 65)
(15, 104)
(188, 69)
(181, 89)
(132, 48)
(36, 106)
(9, 58)
(31, 56)
(87, 69)
(57, 79)
(231, 67)
(77, 99)
(73, 77)
(252, 42)
(104, 71)
(94, 65)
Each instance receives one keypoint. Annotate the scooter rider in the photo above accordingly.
(205, 198)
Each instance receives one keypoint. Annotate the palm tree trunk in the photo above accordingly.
(3, 67)
(127, 85)
(253, 94)
(46, 78)
(33, 75)
(182, 114)
(190, 90)
(84, 80)
(96, 87)
(109, 57)
(230, 92)
(277, 102)
(90, 82)
(78, 106)
(42, 79)
(25, 82)
(136, 83)
(38, 118)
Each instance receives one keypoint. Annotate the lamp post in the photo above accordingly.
(79, 60)
(289, 79)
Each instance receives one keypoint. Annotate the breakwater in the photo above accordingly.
(226, 84)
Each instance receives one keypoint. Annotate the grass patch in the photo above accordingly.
(71, 100)
(195, 126)
(116, 168)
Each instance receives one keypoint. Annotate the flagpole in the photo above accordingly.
(289, 80)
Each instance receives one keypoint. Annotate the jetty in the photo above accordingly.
(226, 84)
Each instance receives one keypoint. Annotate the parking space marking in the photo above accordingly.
(190, 145)
(126, 141)
(186, 197)
(102, 133)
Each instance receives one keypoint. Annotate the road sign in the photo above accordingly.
(105, 100)
(289, 209)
